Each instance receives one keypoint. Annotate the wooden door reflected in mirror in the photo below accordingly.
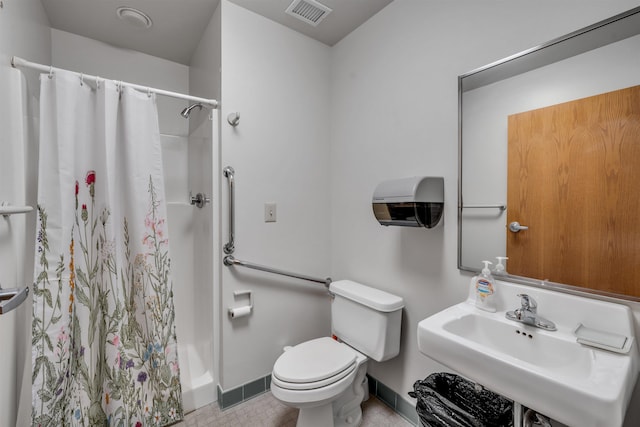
(573, 179)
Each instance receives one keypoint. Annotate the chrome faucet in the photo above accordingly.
(528, 314)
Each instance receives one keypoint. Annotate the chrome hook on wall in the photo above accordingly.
(233, 119)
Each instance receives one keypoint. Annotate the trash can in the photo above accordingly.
(448, 400)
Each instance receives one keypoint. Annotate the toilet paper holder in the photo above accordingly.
(244, 310)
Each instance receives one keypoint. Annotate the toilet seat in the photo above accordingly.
(314, 364)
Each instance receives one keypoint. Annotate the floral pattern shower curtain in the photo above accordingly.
(104, 346)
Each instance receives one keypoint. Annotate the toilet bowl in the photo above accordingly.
(324, 379)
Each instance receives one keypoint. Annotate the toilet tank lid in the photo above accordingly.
(365, 295)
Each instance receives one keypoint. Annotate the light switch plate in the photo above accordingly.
(269, 212)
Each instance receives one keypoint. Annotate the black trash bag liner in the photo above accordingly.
(448, 400)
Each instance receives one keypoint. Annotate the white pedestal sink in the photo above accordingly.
(548, 371)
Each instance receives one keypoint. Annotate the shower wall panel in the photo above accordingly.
(24, 32)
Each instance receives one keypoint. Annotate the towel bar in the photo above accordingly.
(502, 207)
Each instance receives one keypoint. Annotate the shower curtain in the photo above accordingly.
(104, 347)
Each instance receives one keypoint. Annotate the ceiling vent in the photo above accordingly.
(309, 11)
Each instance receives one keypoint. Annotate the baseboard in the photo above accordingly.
(229, 398)
(393, 400)
(235, 396)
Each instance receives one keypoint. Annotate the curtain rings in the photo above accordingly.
(149, 92)
(81, 79)
(50, 71)
(97, 82)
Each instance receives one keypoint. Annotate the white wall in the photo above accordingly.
(394, 114)
(278, 80)
(24, 31)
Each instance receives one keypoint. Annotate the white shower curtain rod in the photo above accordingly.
(19, 62)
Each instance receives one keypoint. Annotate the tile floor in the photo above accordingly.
(266, 411)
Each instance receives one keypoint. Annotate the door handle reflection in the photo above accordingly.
(515, 227)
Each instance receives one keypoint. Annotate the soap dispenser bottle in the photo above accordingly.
(485, 288)
(500, 269)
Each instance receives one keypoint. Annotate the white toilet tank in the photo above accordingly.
(366, 319)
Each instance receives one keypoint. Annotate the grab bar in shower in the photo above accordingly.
(229, 247)
(6, 209)
(12, 298)
(230, 260)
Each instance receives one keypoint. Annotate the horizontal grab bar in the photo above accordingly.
(229, 260)
(6, 210)
(501, 207)
(12, 298)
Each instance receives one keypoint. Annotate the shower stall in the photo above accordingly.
(191, 232)
(189, 140)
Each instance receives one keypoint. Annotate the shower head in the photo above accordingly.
(187, 111)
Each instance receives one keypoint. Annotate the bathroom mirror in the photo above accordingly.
(593, 69)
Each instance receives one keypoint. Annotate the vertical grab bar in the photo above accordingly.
(229, 247)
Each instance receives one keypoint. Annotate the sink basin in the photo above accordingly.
(547, 371)
(547, 351)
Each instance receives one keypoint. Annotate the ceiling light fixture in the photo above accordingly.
(134, 17)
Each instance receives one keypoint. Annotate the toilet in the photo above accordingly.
(326, 377)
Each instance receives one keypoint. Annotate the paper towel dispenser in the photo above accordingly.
(410, 202)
